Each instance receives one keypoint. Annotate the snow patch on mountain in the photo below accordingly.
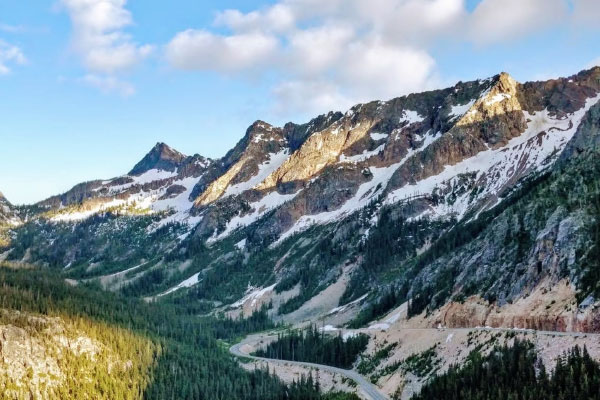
(364, 195)
(345, 306)
(259, 208)
(137, 202)
(411, 117)
(179, 204)
(188, 283)
(534, 150)
(365, 155)
(497, 98)
(264, 170)
(378, 136)
(458, 111)
(147, 177)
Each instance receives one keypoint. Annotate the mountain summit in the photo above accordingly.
(161, 157)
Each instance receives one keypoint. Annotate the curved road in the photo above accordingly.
(370, 390)
(367, 388)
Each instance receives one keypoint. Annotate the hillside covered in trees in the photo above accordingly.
(313, 345)
(515, 373)
(173, 353)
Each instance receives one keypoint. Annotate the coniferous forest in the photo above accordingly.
(515, 373)
(190, 360)
(313, 345)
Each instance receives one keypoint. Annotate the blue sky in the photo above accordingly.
(88, 86)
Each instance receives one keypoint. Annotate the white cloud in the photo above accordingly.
(366, 71)
(278, 18)
(411, 21)
(381, 71)
(324, 55)
(309, 96)
(317, 49)
(10, 54)
(109, 84)
(203, 50)
(500, 20)
(587, 11)
(100, 40)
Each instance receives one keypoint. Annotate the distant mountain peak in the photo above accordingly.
(161, 157)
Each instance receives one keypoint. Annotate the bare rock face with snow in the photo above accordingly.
(444, 156)
(484, 136)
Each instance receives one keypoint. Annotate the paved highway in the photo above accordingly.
(367, 388)
(370, 390)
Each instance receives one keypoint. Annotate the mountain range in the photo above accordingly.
(286, 199)
(473, 206)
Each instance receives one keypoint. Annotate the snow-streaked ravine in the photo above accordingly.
(259, 208)
(456, 112)
(529, 151)
(188, 283)
(264, 170)
(364, 195)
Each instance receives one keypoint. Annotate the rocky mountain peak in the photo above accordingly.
(261, 131)
(161, 157)
(496, 102)
(263, 148)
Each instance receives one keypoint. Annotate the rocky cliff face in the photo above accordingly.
(8, 214)
(53, 358)
(432, 178)
(464, 146)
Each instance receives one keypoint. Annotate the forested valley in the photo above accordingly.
(187, 357)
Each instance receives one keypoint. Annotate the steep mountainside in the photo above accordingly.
(9, 219)
(8, 214)
(475, 195)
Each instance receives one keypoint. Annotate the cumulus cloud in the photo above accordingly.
(324, 55)
(203, 50)
(411, 21)
(278, 18)
(10, 55)
(500, 20)
(311, 96)
(100, 40)
(380, 70)
(317, 49)
(98, 35)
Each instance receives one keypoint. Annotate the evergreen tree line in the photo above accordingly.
(515, 373)
(191, 361)
(313, 345)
